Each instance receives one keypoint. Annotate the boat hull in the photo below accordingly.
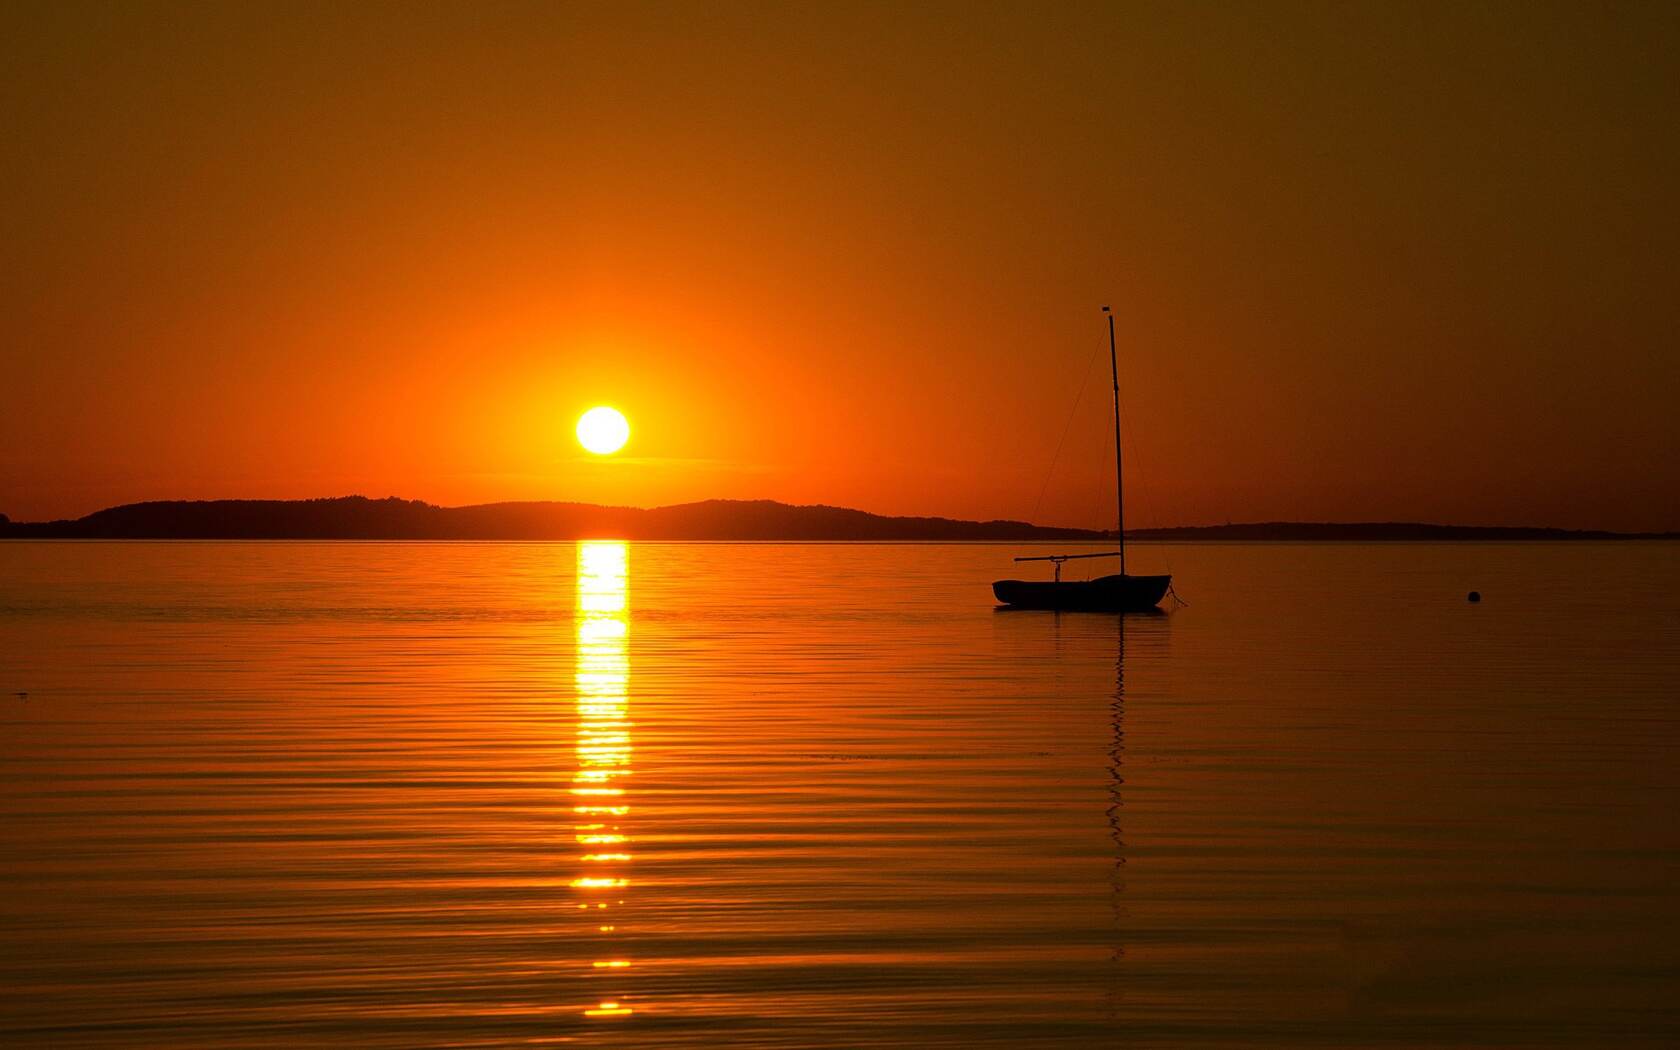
(1103, 594)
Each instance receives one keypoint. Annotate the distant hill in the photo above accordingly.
(1377, 531)
(360, 518)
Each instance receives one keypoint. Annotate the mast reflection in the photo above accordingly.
(1116, 800)
(1149, 639)
(600, 804)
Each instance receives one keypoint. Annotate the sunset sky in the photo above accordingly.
(1387, 261)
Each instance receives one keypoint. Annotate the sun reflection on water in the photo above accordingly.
(603, 744)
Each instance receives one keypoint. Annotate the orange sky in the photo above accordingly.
(1370, 262)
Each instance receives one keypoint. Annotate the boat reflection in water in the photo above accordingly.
(600, 802)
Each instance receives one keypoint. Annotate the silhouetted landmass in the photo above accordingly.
(360, 518)
(1378, 531)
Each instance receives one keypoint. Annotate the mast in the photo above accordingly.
(1119, 484)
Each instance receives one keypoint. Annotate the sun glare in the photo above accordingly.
(603, 430)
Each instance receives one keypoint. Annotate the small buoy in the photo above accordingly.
(1475, 596)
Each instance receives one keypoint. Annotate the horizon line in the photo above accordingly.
(1273, 523)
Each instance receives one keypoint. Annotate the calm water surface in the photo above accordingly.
(634, 795)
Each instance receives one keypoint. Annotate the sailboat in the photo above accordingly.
(1117, 593)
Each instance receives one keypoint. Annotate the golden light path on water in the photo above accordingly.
(601, 805)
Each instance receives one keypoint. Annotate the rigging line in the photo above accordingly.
(1067, 428)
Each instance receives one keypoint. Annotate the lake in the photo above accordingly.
(825, 795)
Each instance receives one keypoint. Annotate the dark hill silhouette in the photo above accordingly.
(1370, 531)
(360, 518)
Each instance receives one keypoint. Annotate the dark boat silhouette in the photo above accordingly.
(1117, 593)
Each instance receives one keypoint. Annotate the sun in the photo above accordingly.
(603, 430)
